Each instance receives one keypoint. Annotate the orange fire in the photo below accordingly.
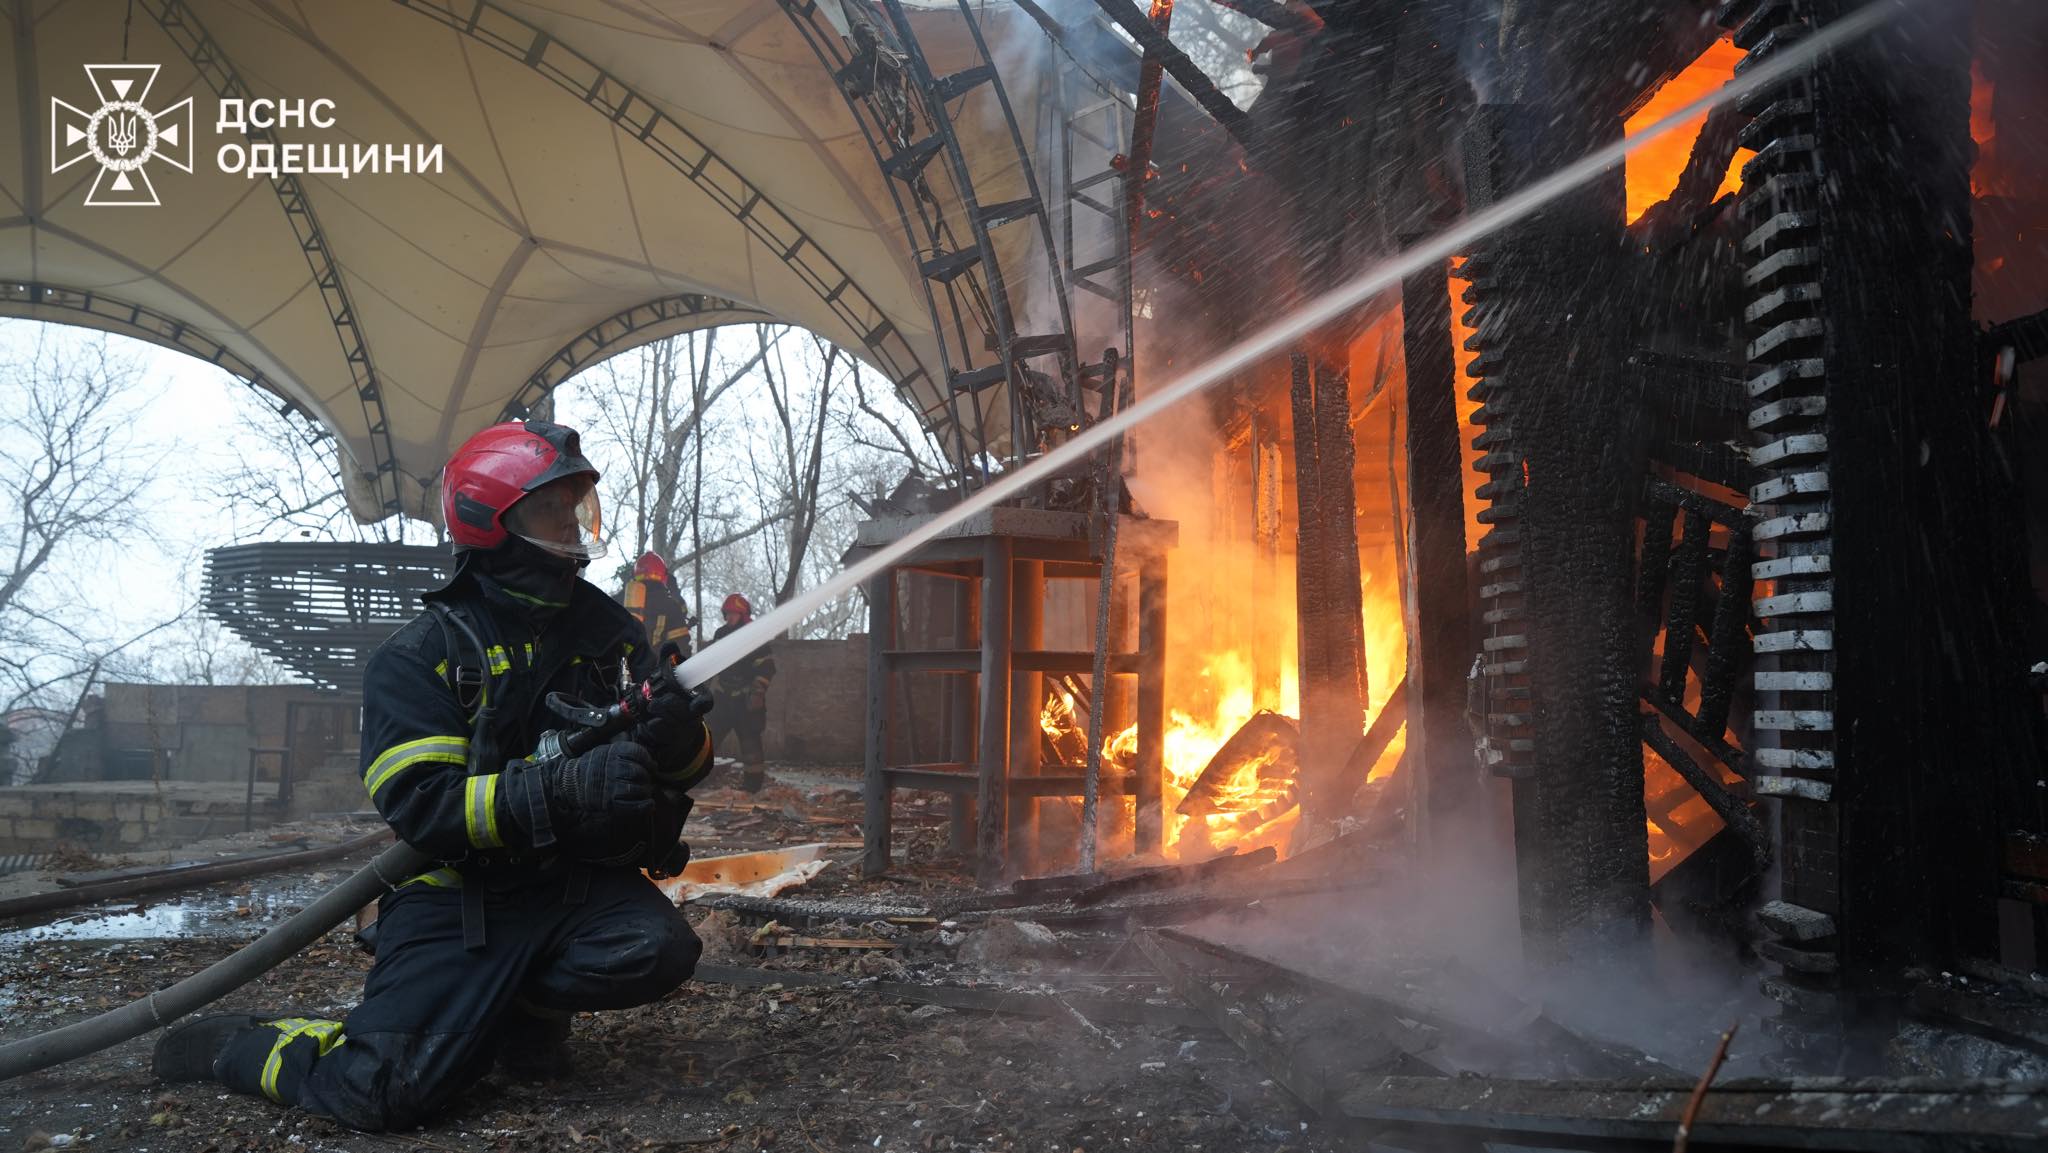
(1652, 172)
(1986, 178)
(1467, 431)
(1231, 619)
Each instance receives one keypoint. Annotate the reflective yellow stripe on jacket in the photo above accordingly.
(426, 750)
(480, 811)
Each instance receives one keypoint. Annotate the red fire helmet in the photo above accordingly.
(651, 565)
(738, 604)
(504, 464)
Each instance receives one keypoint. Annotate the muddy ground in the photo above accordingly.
(769, 1065)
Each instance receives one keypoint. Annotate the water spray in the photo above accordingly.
(274, 947)
(1281, 334)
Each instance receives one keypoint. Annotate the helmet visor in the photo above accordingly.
(562, 517)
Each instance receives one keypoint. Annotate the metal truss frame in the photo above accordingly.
(611, 336)
(212, 64)
(112, 314)
(492, 25)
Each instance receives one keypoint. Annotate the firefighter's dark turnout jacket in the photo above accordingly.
(735, 690)
(659, 611)
(492, 949)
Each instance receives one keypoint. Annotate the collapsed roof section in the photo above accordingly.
(612, 172)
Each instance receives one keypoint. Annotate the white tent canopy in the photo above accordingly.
(613, 171)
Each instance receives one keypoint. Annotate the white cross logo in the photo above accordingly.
(123, 135)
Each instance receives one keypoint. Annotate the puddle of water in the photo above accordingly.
(202, 914)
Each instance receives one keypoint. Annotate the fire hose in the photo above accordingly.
(595, 725)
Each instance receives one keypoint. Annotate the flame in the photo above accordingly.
(1652, 171)
(1986, 179)
(1467, 431)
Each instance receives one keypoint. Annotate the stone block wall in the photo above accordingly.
(114, 817)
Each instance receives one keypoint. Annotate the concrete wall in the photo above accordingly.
(205, 732)
(115, 816)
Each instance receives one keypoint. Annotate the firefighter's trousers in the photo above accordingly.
(434, 1013)
(730, 716)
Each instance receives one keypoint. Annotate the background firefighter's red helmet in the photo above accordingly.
(650, 564)
(501, 466)
(738, 604)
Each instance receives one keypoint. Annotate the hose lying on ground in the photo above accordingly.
(184, 878)
(218, 979)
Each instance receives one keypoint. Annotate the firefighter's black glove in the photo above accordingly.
(675, 732)
(667, 852)
(602, 804)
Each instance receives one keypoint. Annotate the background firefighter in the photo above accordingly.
(652, 598)
(741, 692)
(539, 908)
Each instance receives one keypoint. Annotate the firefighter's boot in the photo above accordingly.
(192, 1051)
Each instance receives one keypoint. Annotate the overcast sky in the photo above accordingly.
(180, 414)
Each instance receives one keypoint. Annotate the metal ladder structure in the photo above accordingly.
(908, 113)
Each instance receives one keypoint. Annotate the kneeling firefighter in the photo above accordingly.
(540, 908)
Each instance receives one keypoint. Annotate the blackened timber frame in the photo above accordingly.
(1696, 597)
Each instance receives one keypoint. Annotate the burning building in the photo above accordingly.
(1547, 540)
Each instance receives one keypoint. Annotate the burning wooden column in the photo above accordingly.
(1890, 699)
(1567, 461)
(1329, 608)
(1439, 748)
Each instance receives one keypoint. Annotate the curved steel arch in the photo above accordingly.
(204, 53)
(966, 288)
(89, 309)
(124, 318)
(617, 333)
(495, 27)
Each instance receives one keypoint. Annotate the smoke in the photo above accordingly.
(1443, 941)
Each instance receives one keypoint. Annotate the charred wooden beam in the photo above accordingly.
(1176, 876)
(1393, 716)
(1733, 810)
(1178, 66)
(2027, 337)
(1873, 616)
(1145, 122)
(875, 793)
(1148, 773)
(1727, 635)
(1688, 566)
(1439, 748)
(1577, 428)
(1268, 738)
(1329, 605)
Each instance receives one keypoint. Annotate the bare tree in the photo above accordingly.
(653, 409)
(71, 484)
(737, 457)
(799, 466)
(284, 478)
